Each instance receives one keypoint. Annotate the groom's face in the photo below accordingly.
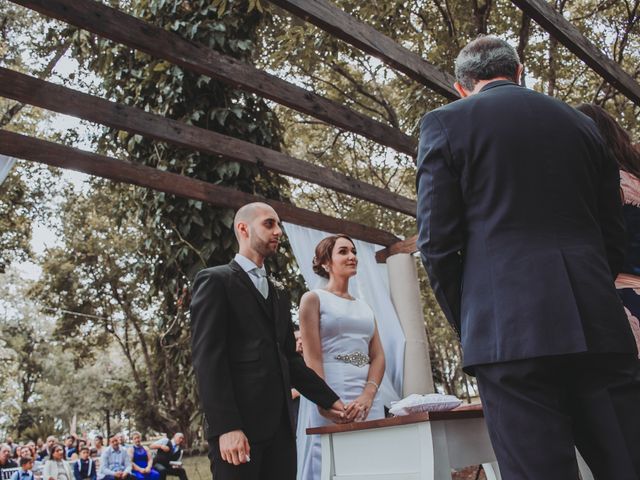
(265, 232)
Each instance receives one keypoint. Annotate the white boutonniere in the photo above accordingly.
(276, 283)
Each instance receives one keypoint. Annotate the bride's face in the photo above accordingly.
(344, 262)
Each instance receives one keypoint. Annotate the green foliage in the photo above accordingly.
(15, 224)
(128, 254)
(41, 430)
(26, 351)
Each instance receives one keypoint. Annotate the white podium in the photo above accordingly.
(424, 446)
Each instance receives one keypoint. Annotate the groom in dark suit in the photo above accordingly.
(245, 360)
(521, 232)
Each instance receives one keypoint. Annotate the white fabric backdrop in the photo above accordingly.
(370, 285)
(5, 166)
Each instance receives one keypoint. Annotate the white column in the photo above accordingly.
(405, 295)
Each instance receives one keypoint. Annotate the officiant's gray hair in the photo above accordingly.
(485, 58)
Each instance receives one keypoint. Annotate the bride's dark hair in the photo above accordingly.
(324, 250)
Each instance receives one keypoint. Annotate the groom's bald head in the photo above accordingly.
(257, 228)
(248, 213)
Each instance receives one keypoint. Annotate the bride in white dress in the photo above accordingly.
(341, 343)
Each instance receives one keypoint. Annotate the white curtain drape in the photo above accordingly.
(5, 166)
(370, 285)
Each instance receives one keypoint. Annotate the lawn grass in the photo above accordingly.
(197, 468)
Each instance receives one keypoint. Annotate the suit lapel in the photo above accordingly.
(244, 278)
(273, 291)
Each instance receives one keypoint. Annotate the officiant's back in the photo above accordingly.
(542, 242)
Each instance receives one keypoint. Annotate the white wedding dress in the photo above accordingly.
(346, 327)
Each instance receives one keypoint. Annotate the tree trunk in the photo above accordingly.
(107, 417)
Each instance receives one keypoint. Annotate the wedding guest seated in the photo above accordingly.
(69, 447)
(84, 468)
(123, 440)
(5, 458)
(114, 462)
(12, 446)
(25, 472)
(23, 452)
(141, 460)
(31, 447)
(98, 446)
(45, 453)
(80, 444)
(56, 468)
(168, 456)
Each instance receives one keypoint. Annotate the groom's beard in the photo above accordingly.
(263, 248)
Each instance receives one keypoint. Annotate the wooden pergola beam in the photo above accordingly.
(40, 93)
(157, 42)
(340, 24)
(36, 150)
(401, 246)
(567, 34)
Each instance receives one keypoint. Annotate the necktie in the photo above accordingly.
(261, 284)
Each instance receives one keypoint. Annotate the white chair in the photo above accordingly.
(7, 473)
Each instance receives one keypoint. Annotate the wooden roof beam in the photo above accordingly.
(36, 150)
(567, 34)
(40, 93)
(401, 246)
(157, 42)
(340, 24)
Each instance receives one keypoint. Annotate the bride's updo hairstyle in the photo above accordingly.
(324, 250)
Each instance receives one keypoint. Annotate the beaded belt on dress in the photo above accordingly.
(358, 359)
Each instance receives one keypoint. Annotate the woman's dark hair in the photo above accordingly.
(56, 447)
(616, 138)
(324, 250)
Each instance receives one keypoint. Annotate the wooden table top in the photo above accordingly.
(462, 412)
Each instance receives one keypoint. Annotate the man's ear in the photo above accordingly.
(242, 230)
(461, 90)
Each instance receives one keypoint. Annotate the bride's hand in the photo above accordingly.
(363, 404)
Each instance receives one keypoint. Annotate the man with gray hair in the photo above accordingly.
(168, 458)
(6, 462)
(521, 232)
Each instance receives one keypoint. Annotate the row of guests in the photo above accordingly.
(116, 462)
(41, 451)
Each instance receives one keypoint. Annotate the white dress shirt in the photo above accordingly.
(247, 265)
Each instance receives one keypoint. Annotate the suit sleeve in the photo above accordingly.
(440, 217)
(209, 326)
(304, 379)
(611, 219)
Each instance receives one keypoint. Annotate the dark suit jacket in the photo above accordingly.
(520, 226)
(244, 355)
